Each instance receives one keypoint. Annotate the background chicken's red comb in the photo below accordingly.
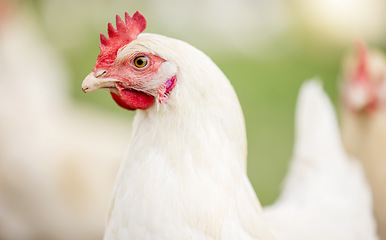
(125, 32)
(362, 74)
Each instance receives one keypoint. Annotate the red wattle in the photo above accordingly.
(131, 99)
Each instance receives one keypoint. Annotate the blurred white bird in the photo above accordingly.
(364, 120)
(56, 172)
(184, 174)
(325, 191)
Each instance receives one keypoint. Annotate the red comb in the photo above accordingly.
(125, 32)
(362, 74)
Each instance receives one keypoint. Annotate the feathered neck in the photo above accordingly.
(184, 174)
(201, 114)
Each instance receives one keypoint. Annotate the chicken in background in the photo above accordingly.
(56, 171)
(184, 174)
(326, 194)
(363, 120)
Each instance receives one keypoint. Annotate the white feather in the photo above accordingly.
(326, 195)
(174, 184)
(184, 174)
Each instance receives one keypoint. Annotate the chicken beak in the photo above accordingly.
(93, 82)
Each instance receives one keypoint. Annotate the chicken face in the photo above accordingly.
(134, 77)
(127, 79)
(364, 86)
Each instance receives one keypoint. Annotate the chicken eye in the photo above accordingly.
(141, 61)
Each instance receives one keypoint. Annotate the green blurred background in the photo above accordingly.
(266, 48)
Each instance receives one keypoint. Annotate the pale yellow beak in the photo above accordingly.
(95, 81)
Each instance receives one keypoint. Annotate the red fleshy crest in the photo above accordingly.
(125, 32)
(362, 68)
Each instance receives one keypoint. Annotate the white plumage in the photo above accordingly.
(172, 184)
(326, 195)
(184, 173)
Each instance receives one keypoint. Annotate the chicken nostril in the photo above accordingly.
(85, 89)
(100, 73)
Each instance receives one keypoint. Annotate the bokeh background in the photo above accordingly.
(267, 48)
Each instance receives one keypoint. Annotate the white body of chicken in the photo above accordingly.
(184, 173)
(326, 194)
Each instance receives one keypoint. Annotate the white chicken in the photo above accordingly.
(51, 185)
(184, 173)
(325, 195)
(364, 120)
